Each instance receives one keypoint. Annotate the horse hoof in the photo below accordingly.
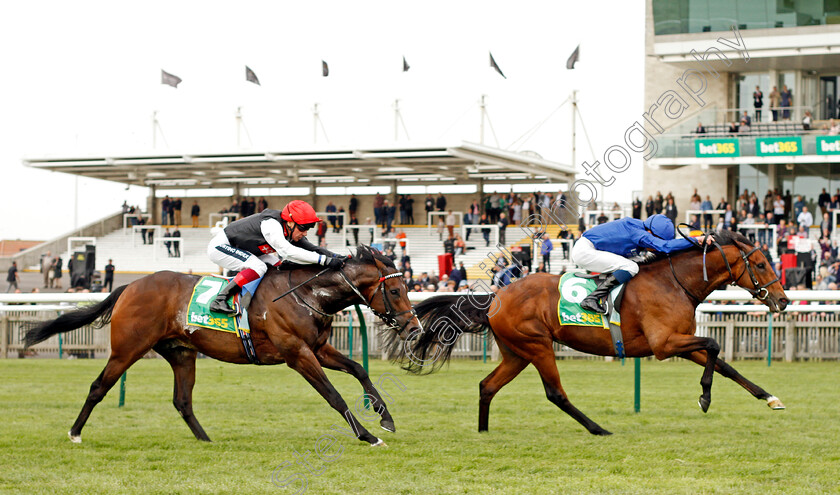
(379, 443)
(704, 403)
(602, 432)
(774, 403)
(74, 438)
(388, 425)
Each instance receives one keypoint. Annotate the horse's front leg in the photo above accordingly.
(330, 358)
(729, 372)
(677, 344)
(304, 362)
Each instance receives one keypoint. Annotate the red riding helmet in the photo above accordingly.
(300, 212)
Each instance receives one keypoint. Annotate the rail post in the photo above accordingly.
(122, 389)
(4, 336)
(350, 334)
(769, 338)
(637, 389)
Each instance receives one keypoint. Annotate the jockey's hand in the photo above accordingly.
(709, 240)
(336, 263)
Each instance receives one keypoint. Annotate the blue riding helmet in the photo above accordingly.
(660, 226)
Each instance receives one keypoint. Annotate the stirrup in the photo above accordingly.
(589, 306)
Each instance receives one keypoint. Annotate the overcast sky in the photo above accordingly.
(83, 78)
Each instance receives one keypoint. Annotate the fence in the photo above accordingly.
(803, 331)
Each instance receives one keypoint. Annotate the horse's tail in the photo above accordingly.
(444, 319)
(75, 319)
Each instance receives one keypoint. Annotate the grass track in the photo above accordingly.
(259, 417)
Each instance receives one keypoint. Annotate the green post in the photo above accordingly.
(60, 349)
(769, 338)
(484, 352)
(363, 333)
(122, 389)
(350, 335)
(637, 394)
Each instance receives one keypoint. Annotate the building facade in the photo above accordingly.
(705, 61)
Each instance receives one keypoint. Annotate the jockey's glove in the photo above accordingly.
(336, 263)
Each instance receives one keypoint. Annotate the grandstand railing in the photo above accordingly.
(805, 330)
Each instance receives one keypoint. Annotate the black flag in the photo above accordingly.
(494, 65)
(325, 69)
(167, 78)
(405, 65)
(250, 76)
(573, 58)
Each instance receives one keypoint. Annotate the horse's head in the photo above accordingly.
(752, 271)
(381, 285)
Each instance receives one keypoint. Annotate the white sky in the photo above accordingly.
(83, 78)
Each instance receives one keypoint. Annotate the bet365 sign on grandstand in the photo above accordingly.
(704, 148)
(828, 145)
(778, 146)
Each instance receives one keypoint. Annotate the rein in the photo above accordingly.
(389, 317)
(758, 291)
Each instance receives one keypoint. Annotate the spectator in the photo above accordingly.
(833, 128)
(637, 208)
(797, 207)
(165, 208)
(460, 245)
(758, 102)
(502, 223)
(340, 220)
(46, 264)
(409, 209)
(778, 210)
(657, 203)
(450, 223)
(262, 204)
(409, 282)
(775, 98)
(195, 211)
(806, 121)
(707, 217)
(12, 277)
(390, 213)
(109, 276)
(733, 128)
(745, 118)
(602, 219)
(442, 282)
(744, 127)
(649, 205)
(804, 219)
(671, 210)
(825, 224)
(378, 203)
(440, 202)
(449, 246)
(787, 100)
(485, 232)
(824, 201)
(463, 271)
(545, 251)
(331, 218)
(424, 279)
(429, 204)
(354, 221)
(455, 276)
(370, 228)
(168, 244)
(59, 264)
(176, 245)
(321, 231)
(176, 209)
(700, 129)
(541, 268)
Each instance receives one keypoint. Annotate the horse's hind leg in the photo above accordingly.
(729, 372)
(115, 367)
(182, 360)
(507, 370)
(330, 358)
(547, 366)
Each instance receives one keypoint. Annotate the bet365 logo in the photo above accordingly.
(716, 148)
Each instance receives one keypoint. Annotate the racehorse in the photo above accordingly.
(657, 318)
(150, 314)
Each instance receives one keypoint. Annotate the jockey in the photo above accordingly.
(269, 237)
(606, 247)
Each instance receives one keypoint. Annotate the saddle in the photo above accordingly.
(573, 288)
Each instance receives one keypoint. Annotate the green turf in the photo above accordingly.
(258, 417)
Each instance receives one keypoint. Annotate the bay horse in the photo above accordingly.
(657, 318)
(150, 313)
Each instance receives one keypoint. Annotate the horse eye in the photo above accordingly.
(395, 292)
(761, 265)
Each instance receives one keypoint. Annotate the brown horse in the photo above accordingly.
(657, 318)
(150, 314)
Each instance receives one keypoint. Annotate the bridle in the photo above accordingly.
(758, 291)
(390, 316)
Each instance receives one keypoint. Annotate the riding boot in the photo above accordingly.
(593, 300)
(220, 304)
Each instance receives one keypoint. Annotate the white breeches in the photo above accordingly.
(223, 254)
(587, 257)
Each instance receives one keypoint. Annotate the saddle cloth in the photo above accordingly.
(573, 290)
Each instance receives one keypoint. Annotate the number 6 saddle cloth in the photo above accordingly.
(573, 288)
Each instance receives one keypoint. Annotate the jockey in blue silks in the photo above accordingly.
(606, 247)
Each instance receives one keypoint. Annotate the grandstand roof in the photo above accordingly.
(464, 163)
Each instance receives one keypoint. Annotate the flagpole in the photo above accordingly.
(574, 112)
(238, 126)
(154, 129)
(397, 119)
(315, 124)
(481, 131)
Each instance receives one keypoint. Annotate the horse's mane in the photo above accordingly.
(369, 255)
(722, 237)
